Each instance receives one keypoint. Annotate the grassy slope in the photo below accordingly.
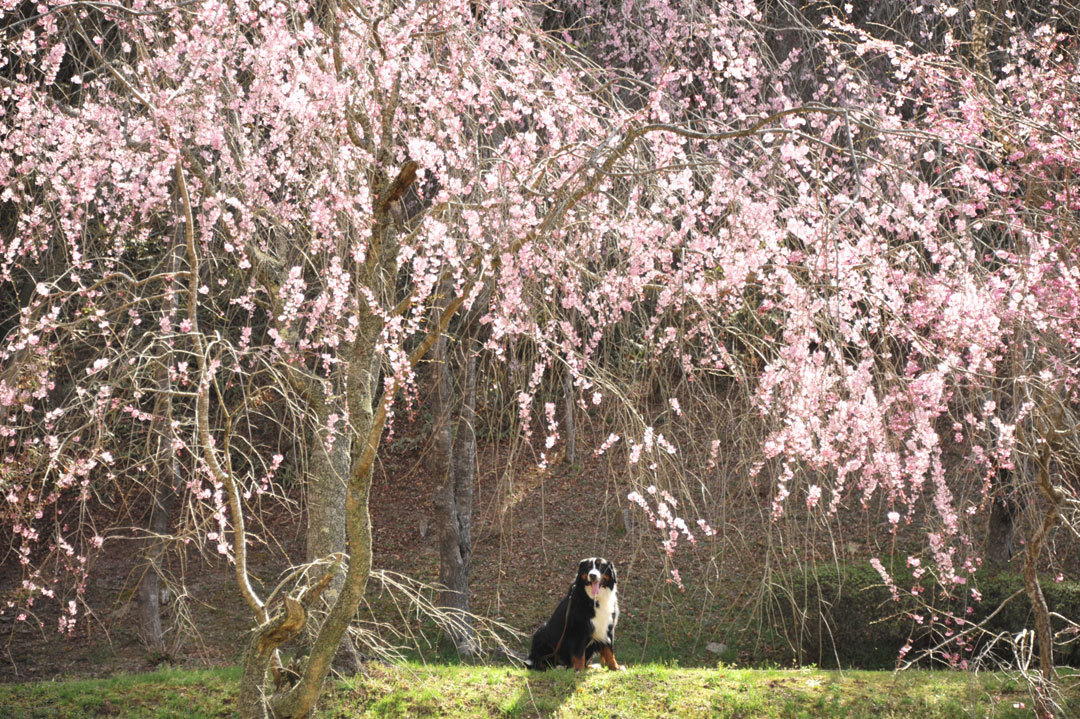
(643, 691)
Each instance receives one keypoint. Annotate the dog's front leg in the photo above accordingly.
(578, 662)
(608, 655)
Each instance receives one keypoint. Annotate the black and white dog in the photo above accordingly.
(583, 623)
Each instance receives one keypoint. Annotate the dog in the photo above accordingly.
(584, 622)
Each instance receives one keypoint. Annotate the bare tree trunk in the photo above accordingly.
(151, 633)
(327, 477)
(453, 495)
(152, 588)
(1001, 528)
(1043, 631)
(367, 418)
(325, 486)
(167, 470)
(1031, 577)
(1044, 634)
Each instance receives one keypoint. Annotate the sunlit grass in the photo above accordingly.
(650, 690)
(656, 690)
(198, 694)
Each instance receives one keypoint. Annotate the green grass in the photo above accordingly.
(198, 694)
(651, 690)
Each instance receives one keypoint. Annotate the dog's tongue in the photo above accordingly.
(594, 588)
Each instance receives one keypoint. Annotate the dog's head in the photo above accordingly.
(596, 573)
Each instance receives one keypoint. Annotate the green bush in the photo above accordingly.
(843, 615)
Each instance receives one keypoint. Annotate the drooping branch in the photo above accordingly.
(202, 410)
(594, 171)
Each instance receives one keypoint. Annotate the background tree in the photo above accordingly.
(454, 424)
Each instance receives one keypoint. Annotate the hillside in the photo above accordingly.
(525, 550)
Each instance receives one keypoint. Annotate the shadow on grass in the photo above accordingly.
(544, 692)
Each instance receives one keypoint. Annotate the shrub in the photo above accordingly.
(843, 615)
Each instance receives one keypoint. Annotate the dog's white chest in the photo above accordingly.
(607, 614)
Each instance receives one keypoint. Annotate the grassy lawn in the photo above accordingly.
(644, 691)
(198, 694)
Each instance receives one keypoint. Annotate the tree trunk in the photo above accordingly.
(367, 418)
(1043, 632)
(1001, 528)
(455, 469)
(152, 589)
(327, 478)
(1031, 577)
(257, 699)
(167, 470)
(325, 486)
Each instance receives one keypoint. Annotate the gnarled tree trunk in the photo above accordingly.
(258, 700)
(367, 418)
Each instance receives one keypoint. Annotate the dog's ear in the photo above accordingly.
(611, 570)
